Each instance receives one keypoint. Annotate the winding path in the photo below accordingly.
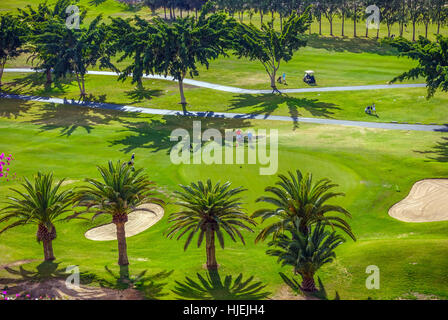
(218, 87)
(377, 125)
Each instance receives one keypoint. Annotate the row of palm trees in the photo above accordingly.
(299, 209)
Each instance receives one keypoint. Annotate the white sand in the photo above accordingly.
(427, 201)
(138, 222)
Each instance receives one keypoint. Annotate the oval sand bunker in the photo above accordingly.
(138, 221)
(427, 202)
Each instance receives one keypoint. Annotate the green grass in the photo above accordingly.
(71, 141)
(402, 105)
(374, 168)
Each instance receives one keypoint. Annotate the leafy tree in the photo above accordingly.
(118, 194)
(43, 21)
(209, 210)
(439, 13)
(330, 10)
(12, 33)
(296, 199)
(40, 204)
(388, 10)
(415, 9)
(306, 253)
(271, 47)
(136, 41)
(189, 42)
(78, 50)
(432, 60)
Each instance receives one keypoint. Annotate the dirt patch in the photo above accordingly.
(57, 289)
(427, 202)
(285, 293)
(15, 264)
(138, 221)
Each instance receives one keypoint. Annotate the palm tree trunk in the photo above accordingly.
(210, 247)
(343, 25)
(355, 18)
(48, 250)
(308, 284)
(122, 247)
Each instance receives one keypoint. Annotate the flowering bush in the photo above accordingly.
(21, 296)
(5, 163)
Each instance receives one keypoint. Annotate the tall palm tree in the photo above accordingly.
(40, 204)
(296, 196)
(209, 209)
(306, 253)
(120, 192)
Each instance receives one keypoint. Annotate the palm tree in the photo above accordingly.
(120, 192)
(306, 253)
(40, 204)
(297, 197)
(209, 209)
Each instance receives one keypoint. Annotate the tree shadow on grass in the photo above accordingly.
(35, 84)
(353, 45)
(68, 118)
(12, 109)
(96, 3)
(151, 286)
(46, 280)
(155, 134)
(439, 152)
(212, 286)
(266, 105)
(140, 94)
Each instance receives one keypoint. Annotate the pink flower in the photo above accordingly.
(4, 292)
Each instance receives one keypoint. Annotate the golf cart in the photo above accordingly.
(309, 78)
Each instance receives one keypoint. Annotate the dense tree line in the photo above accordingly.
(392, 12)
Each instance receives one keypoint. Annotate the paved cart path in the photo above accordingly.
(223, 88)
(109, 106)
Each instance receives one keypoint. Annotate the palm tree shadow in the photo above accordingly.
(266, 105)
(156, 134)
(439, 152)
(152, 286)
(47, 280)
(213, 287)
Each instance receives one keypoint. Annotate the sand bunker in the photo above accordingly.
(138, 222)
(427, 202)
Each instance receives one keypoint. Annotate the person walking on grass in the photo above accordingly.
(131, 163)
